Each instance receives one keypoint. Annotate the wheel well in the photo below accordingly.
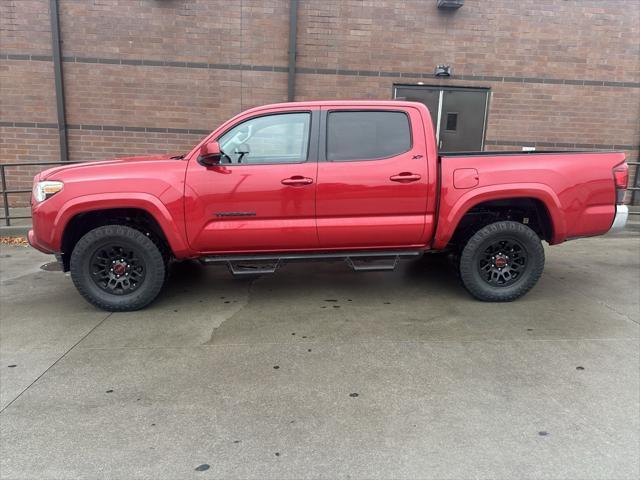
(132, 217)
(529, 211)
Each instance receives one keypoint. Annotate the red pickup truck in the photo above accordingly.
(355, 180)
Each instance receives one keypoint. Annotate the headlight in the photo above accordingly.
(47, 189)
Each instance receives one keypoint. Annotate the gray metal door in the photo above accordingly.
(429, 96)
(462, 120)
(459, 114)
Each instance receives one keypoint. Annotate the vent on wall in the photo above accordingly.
(450, 4)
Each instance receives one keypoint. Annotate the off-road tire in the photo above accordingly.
(150, 253)
(475, 248)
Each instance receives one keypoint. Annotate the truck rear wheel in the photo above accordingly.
(118, 268)
(501, 262)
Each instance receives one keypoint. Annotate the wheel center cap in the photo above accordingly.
(119, 268)
(501, 262)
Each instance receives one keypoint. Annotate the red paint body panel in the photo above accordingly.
(154, 184)
(359, 206)
(281, 216)
(278, 213)
(344, 205)
(576, 188)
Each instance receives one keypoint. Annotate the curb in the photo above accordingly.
(15, 231)
(632, 225)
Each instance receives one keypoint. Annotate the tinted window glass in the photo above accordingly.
(282, 138)
(367, 135)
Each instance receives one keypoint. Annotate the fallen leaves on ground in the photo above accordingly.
(14, 241)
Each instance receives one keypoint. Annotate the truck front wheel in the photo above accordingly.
(501, 262)
(117, 268)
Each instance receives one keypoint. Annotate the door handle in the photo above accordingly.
(297, 180)
(405, 177)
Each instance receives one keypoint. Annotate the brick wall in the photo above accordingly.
(156, 75)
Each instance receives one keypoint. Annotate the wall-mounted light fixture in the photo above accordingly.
(450, 4)
(443, 71)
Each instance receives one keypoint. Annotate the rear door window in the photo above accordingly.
(367, 135)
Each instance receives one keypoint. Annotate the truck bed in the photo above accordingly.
(576, 188)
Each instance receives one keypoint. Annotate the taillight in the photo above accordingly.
(621, 179)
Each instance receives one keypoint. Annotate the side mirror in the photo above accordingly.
(210, 154)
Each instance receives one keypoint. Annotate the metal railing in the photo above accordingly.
(5, 192)
(7, 217)
(633, 189)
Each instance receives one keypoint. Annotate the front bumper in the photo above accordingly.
(620, 220)
(33, 241)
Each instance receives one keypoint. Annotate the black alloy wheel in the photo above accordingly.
(501, 262)
(118, 268)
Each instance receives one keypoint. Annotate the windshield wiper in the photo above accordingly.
(177, 157)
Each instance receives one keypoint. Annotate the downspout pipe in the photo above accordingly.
(293, 34)
(59, 82)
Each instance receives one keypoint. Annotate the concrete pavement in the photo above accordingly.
(319, 372)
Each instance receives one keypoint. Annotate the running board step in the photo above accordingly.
(252, 268)
(373, 264)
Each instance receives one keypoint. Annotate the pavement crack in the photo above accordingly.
(56, 362)
(219, 319)
(597, 300)
(610, 307)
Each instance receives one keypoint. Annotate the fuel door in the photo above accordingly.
(465, 178)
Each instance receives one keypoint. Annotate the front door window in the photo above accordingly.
(282, 138)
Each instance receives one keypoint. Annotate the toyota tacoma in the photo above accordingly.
(360, 181)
